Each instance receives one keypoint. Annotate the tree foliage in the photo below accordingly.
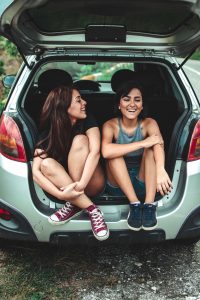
(8, 47)
(2, 70)
(9, 58)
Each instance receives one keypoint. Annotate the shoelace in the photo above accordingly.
(65, 209)
(97, 219)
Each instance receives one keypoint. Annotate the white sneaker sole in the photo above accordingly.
(63, 222)
(149, 228)
(102, 238)
(134, 228)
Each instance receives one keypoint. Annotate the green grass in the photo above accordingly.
(1, 106)
(196, 55)
(50, 273)
(34, 274)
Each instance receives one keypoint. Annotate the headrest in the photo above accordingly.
(50, 79)
(120, 77)
(152, 82)
(88, 85)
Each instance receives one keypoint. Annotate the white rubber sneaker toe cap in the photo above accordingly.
(102, 233)
(53, 218)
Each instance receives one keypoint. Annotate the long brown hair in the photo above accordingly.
(56, 124)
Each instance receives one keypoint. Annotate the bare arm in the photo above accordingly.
(153, 129)
(92, 160)
(111, 150)
(164, 183)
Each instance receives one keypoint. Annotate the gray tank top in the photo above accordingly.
(132, 159)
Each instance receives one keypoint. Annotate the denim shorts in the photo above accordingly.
(138, 185)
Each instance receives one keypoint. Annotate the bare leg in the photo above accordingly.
(147, 174)
(76, 161)
(59, 177)
(118, 176)
(55, 172)
(97, 182)
(77, 156)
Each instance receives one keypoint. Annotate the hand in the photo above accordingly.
(152, 140)
(79, 186)
(164, 184)
(69, 191)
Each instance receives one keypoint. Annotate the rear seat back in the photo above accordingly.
(158, 104)
(87, 85)
(100, 104)
(47, 81)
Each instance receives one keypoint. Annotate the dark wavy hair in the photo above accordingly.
(56, 125)
(124, 90)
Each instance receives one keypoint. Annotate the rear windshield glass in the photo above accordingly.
(140, 16)
(100, 71)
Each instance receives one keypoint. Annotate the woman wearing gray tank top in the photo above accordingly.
(133, 149)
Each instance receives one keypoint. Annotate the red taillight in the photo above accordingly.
(194, 150)
(11, 143)
(5, 214)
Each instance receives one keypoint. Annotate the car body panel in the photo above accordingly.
(20, 23)
(39, 25)
(171, 214)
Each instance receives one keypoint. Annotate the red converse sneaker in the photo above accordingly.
(64, 214)
(99, 227)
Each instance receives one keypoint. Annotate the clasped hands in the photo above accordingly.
(72, 190)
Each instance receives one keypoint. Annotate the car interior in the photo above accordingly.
(162, 100)
(159, 97)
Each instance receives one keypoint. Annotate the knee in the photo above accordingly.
(148, 153)
(47, 166)
(80, 143)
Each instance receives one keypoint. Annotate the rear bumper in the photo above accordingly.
(120, 237)
(18, 228)
(30, 220)
(191, 227)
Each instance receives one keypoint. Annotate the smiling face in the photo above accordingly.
(130, 105)
(77, 109)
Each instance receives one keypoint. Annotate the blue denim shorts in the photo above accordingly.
(138, 185)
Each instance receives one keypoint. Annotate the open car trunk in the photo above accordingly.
(159, 26)
(162, 98)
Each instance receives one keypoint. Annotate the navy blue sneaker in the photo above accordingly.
(149, 221)
(134, 219)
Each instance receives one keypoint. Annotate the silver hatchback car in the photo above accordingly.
(91, 40)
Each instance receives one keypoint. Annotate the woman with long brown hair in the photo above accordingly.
(66, 159)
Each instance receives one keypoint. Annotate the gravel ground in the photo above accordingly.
(147, 272)
(159, 272)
